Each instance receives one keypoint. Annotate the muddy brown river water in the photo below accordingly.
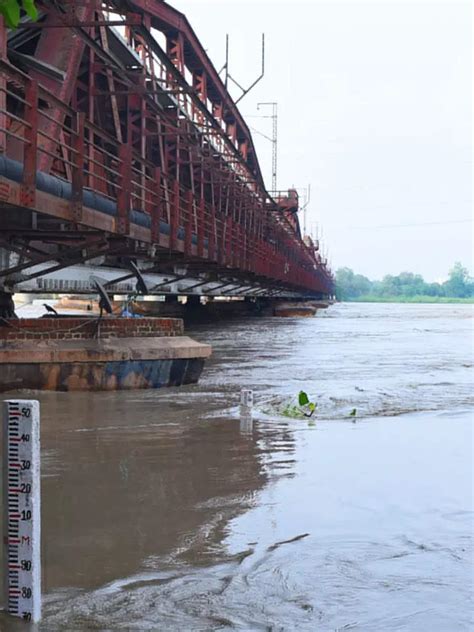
(161, 513)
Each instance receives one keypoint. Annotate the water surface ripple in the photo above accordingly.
(161, 513)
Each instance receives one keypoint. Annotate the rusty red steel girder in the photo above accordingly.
(131, 132)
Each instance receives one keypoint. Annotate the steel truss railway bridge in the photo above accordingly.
(120, 143)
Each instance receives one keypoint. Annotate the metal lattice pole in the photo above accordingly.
(274, 140)
(275, 146)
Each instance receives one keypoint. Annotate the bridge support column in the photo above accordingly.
(28, 186)
(7, 306)
(193, 301)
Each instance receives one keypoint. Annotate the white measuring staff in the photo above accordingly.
(22, 508)
(246, 401)
(246, 404)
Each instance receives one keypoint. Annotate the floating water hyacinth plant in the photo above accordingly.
(304, 408)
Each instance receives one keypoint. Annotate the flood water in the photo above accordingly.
(161, 513)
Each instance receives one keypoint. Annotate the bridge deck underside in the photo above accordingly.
(107, 150)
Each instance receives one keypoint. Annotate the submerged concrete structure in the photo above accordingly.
(71, 354)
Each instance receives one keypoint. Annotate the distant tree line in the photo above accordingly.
(405, 286)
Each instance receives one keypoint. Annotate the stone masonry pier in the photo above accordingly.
(97, 354)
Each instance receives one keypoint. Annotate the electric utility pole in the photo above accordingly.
(274, 139)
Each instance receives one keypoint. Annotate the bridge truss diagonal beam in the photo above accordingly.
(126, 130)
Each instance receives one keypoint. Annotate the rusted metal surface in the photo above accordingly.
(113, 139)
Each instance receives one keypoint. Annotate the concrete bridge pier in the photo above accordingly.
(7, 306)
(193, 302)
(87, 353)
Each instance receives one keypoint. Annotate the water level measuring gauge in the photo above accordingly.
(21, 511)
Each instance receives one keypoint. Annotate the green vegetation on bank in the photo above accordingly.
(409, 299)
(405, 288)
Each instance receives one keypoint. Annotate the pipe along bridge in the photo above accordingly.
(122, 150)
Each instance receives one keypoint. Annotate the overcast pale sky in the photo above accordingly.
(374, 111)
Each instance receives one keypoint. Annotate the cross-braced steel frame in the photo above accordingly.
(118, 136)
